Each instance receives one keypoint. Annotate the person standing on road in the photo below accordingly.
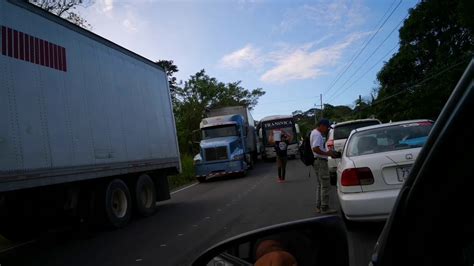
(321, 166)
(281, 148)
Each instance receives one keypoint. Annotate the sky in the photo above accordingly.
(294, 50)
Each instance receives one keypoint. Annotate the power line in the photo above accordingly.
(364, 46)
(365, 73)
(422, 81)
(370, 56)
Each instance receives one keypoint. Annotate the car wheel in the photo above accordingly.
(201, 179)
(145, 196)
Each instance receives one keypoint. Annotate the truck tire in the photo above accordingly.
(117, 204)
(15, 221)
(145, 196)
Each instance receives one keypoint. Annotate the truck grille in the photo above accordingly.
(215, 154)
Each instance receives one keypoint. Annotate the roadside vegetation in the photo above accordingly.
(187, 174)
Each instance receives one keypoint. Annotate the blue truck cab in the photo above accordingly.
(223, 148)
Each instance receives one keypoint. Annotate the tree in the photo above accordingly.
(170, 69)
(436, 36)
(202, 92)
(66, 9)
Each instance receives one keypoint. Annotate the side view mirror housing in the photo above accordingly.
(196, 136)
(315, 241)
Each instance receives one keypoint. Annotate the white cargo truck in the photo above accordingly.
(86, 126)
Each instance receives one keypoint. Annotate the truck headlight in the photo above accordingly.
(197, 159)
(238, 157)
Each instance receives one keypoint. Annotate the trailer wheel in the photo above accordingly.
(145, 196)
(118, 204)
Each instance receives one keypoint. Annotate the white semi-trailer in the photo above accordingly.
(86, 126)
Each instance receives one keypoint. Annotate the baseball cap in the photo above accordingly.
(324, 122)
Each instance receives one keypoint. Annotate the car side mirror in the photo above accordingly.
(315, 241)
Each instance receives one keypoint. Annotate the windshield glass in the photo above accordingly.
(389, 138)
(220, 131)
(343, 131)
(276, 128)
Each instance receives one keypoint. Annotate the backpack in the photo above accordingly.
(306, 153)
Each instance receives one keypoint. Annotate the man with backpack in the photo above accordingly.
(281, 149)
(320, 165)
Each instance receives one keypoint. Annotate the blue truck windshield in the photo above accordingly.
(219, 131)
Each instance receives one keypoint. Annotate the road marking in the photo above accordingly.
(138, 260)
(208, 217)
(163, 245)
(180, 234)
(195, 225)
(184, 188)
(17, 246)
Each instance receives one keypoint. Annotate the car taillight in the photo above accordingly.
(357, 176)
(330, 144)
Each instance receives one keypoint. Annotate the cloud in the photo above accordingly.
(129, 25)
(305, 62)
(107, 5)
(248, 55)
(338, 14)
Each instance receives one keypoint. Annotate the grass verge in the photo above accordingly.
(186, 176)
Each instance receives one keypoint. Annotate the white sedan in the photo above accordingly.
(375, 162)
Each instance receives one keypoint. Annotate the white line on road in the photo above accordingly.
(17, 246)
(184, 188)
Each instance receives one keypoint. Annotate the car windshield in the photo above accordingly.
(390, 138)
(343, 131)
(219, 131)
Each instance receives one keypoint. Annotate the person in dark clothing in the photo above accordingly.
(281, 148)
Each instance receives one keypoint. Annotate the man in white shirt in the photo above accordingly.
(321, 166)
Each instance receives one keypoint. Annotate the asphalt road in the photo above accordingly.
(194, 219)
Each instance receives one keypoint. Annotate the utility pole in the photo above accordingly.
(360, 106)
(321, 108)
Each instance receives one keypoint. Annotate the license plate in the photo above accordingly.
(403, 173)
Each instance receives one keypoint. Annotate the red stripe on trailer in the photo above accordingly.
(60, 59)
(15, 43)
(55, 49)
(4, 40)
(27, 47)
(56, 53)
(21, 38)
(51, 55)
(37, 51)
(55, 56)
(32, 49)
(10, 42)
(41, 51)
(63, 55)
(46, 53)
